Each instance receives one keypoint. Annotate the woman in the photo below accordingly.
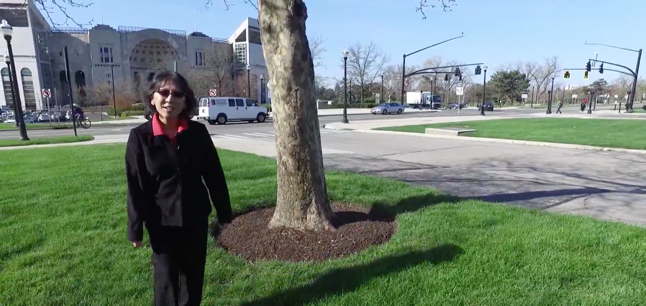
(170, 164)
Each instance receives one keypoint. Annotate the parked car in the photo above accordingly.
(488, 106)
(29, 118)
(387, 108)
(10, 119)
(221, 110)
(455, 106)
(44, 117)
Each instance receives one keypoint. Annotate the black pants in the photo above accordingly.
(179, 256)
(558, 110)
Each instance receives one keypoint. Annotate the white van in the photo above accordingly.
(223, 109)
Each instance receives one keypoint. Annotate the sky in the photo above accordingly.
(496, 32)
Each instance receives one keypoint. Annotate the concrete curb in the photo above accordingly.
(496, 140)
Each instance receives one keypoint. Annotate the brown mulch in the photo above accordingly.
(249, 237)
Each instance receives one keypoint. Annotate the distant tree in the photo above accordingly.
(598, 87)
(365, 64)
(509, 85)
(540, 73)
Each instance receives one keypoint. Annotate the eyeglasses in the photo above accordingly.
(165, 92)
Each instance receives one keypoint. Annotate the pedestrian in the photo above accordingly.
(583, 105)
(174, 174)
(558, 107)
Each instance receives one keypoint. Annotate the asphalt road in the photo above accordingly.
(244, 129)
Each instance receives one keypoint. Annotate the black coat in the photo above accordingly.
(167, 184)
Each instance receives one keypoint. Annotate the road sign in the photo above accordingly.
(213, 92)
(46, 93)
(459, 91)
(377, 98)
(524, 96)
(574, 96)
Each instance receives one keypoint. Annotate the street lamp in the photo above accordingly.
(381, 95)
(345, 86)
(13, 94)
(248, 81)
(549, 99)
(7, 31)
(262, 88)
(484, 90)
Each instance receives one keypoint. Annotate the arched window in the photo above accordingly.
(6, 85)
(79, 78)
(137, 78)
(151, 76)
(62, 77)
(28, 88)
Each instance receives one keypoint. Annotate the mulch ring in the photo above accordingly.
(249, 237)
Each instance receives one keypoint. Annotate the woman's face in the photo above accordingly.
(169, 100)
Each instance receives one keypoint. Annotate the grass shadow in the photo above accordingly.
(344, 280)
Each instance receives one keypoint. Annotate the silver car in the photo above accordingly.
(388, 108)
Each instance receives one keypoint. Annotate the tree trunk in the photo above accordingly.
(302, 200)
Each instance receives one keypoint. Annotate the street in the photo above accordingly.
(255, 130)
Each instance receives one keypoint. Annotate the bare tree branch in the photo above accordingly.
(317, 49)
(446, 5)
(62, 6)
(228, 4)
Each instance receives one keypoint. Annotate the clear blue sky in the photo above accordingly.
(497, 32)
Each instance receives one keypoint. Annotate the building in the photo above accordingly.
(125, 55)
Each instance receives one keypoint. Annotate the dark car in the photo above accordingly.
(488, 106)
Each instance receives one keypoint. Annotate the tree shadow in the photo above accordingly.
(344, 280)
(411, 204)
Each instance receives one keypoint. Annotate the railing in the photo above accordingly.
(70, 30)
(219, 40)
(126, 29)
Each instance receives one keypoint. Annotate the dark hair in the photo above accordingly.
(163, 78)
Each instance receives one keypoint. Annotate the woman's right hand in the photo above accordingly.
(136, 244)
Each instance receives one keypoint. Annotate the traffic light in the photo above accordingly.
(601, 68)
(446, 77)
(585, 75)
(478, 70)
(457, 72)
(567, 75)
(588, 67)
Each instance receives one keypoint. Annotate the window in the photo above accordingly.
(250, 103)
(199, 58)
(241, 53)
(232, 103)
(221, 102)
(106, 54)
(239, 102)
(28, 88)
(151, 76)
(204, 102)
(6, 85)
(213, 102)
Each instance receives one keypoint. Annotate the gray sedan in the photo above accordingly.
(387, 108)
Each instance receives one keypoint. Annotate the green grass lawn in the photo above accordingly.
(37, 126)
(47, 140)
(613, 133)
(63, 242)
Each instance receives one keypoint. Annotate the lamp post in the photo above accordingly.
(345, 86)
(248, 81)
(484, 90)
(13, 94)
(262, 88)
(549, 99)
(420, 50)
(381, 95)
(590, 102)
(7, 31)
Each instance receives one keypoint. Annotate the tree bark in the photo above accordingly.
(302, 200)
